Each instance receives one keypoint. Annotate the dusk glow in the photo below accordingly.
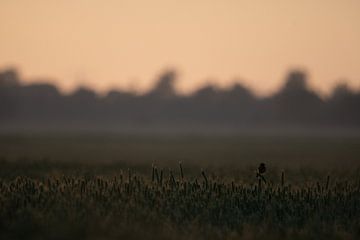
(127, 44)
(179, 119)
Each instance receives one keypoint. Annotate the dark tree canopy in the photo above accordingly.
(295, 104)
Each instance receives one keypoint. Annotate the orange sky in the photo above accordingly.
(127, 43)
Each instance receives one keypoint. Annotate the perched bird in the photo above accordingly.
(262, 168)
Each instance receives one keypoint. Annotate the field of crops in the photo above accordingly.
(42, 197)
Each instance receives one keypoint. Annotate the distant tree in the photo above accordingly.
(207, 92)
(9, 78)
(165, 85)
(83, 94)
(9, 86)
(295, 103)
(341, 91)
(296, 82)
(343, 106)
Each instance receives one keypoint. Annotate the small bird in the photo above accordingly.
(262, 168)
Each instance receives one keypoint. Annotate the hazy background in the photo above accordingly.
(156, 65)
(125, 44)
(100, 97)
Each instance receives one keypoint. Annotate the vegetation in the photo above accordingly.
(167, 206)
(41, 107)
(54, 199)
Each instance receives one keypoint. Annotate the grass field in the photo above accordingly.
(131, 187)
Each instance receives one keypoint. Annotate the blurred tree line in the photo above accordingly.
(295, 104)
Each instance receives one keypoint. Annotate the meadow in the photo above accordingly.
(185, 187)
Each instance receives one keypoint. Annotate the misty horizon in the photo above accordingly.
(295, 104)
(161, 119)
(210, 82)
(125, 44)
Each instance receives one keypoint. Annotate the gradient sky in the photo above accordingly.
(127, 43)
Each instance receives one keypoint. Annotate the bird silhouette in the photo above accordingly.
(262, 168)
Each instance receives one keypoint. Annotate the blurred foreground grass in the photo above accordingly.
(103, 187)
